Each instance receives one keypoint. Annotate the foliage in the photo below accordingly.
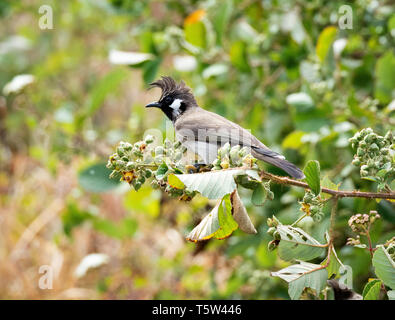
(286, 71)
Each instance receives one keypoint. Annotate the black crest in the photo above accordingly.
(170, 87)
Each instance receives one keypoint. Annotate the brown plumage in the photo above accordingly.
(203, 132)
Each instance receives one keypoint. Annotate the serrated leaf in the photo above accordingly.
(95, 179)
(297, 244)
(384, 266)
(219, 223)
(303, 275)
(213, 184)
(372, 290)
(312, 173)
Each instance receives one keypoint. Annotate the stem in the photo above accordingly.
(300, 219)
(333, 218)
(337, 193)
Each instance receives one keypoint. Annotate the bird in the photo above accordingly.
(203, 132)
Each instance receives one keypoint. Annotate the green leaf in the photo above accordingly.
(325, 41)
(126, 228)
(151, 69)
(372, 290)
(226, 222)
(105, 86)
(73, 217)
(385, 78)
(195, 34)
(95, 179)
(327, 183)
(297, 244)
(384, 266)
(293, 140)
(161, 171)
(303, 275)
(222, 17)
(312, 173)
(175, 182)
(213, 184)
(334, 264)
(219, 223)
(391, 294)
(238, 56)
(258, 197)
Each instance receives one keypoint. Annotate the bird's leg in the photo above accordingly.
(198, 167)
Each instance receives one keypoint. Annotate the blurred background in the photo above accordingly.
(300, 75)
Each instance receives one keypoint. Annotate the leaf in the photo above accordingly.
(258, 195)
(129, 58)
(222, 17)
(195, 33)
(227, 224)
(312, 173)
(161, 171)
(174, 182)
(126, 228)
(95, 179)
(105, 86)
(240, 214)
(372, 290)
(219, 223)
(238, 56)
(213, 184)
(293, 140)
(384, 266)
(301, 101)
(214, 70)
(334, 264)
(325, 41)
(385, 78)
(151, 69)
(303, 275)
(391, 294)
(297, 244)
(327, 183)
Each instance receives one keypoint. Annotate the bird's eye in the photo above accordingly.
(168, 100)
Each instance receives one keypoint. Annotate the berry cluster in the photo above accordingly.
(233, 157)
(360, 223)
(312, 205)
(390, 247)
(272, 231)
(375, 156)
(140, 161)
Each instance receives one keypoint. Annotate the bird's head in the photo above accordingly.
(176, 97)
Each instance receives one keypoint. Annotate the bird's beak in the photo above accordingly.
(153, 105)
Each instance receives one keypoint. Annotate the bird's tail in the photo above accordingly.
(278, 161)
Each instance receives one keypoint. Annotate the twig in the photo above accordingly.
(337, 193)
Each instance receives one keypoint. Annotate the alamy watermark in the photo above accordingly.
(46, 19)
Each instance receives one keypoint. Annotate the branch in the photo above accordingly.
(337, 193)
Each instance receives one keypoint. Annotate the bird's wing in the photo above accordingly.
(209, 127)
(201, 126)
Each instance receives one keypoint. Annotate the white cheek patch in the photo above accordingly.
(176, 104)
